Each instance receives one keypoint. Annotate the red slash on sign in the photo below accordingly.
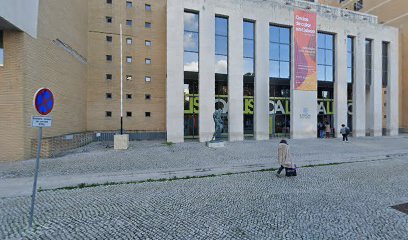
(44, 101)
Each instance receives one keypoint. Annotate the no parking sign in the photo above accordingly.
(43, 104)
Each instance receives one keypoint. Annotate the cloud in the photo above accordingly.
(191, 67)
(190, 21)
(189, 42)
(221, 66)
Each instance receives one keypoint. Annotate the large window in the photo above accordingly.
(279, 52)
(191, 42)
(221, 45)
(1, 48)
(369, 57)
(385, 64)
(249, 77)
(325, 59)
(350, 59)
(249, 48)
(191, 68)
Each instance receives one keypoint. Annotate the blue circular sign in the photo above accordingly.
(44, 101)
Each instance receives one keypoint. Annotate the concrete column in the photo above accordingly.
(175, 72)
(375, 110)
(392, 89)
(206, 77)
(261, 108)
(359, 89)
(340, 84)
(235, 78)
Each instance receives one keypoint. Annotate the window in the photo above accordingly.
(147, 114)
(148, 8)
(129, 41)
(109, 58)
(148, 43)
(148, 61)
(148, 96)
(350, 59)
(279, 52)
(221, 45)
(108, 76)
(369, 58)
(128, 114)
(249, 48)
(148, 25)
(148, 79)
(128, 77)
(109, 38)
(108, 95)
(109, 1)
(108, 114)
(109, 19)
(1, 49)
(129, 59)
(385, 64)
(191, 36)
(129, 4)
(129, 22)
(129, 96)
(325, 57)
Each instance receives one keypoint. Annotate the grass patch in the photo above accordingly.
(175, 178)
(168, 143)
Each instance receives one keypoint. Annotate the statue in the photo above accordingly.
(219, 125)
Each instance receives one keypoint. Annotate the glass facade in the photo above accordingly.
(191, 42)
(325, 84)
(249, 77)
(1, 49)
(191, 64)
(385, 64)
(350, 59)
(221, 69)
(325, 57)
(369, 57)
(279, 52)
(279, 81)
(350, 80)
(221, 45)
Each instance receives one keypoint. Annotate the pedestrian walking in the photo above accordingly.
(328, 129)
(284, 158)
(345, 132)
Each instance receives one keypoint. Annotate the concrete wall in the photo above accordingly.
(331, 20)
(22, 14)
(98, 86)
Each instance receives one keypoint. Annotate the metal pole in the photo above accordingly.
(37, 166)
(121, 82)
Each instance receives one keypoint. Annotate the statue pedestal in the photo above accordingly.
(215, 144)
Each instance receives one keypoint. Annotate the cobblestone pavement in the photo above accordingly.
(153, 160)
(149, 155)
(348, 201)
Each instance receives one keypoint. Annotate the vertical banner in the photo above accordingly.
(305, 51)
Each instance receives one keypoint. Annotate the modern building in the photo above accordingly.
(391, 13)
(276, 68)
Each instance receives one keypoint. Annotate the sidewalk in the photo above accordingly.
(96, 164)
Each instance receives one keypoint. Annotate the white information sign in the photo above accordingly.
(41, 122)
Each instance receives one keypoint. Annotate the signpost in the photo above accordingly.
(43, 103)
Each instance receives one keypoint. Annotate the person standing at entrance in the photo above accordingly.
(320, 127)
(328, 129)
(284, 159)
(345, 132)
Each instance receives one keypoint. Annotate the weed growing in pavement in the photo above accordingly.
(169, 143)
